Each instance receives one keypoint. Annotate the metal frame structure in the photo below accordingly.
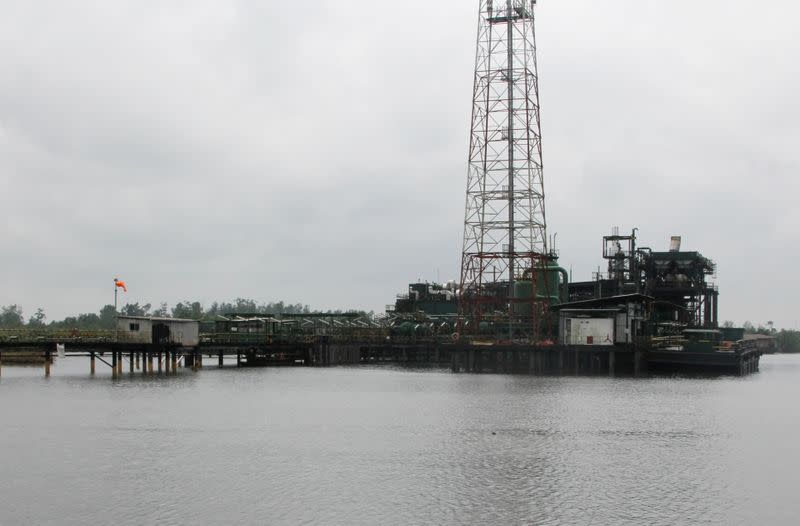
(504, 225)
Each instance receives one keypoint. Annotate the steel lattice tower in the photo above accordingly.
(504, 226)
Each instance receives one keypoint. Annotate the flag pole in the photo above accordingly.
(116, 315)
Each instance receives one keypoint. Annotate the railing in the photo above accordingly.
(55, 335)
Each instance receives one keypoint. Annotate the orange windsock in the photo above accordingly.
(120, 284)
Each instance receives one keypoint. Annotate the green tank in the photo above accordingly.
(551, 284)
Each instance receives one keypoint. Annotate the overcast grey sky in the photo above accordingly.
(316, 151)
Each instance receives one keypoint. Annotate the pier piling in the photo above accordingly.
(612, 363)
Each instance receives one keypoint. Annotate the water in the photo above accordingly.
(364, 445)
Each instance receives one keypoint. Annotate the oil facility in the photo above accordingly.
(513, 308)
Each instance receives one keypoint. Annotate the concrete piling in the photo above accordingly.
(638, 363)
(612, 363)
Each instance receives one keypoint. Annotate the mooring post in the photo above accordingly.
(91, 363)
(637, 363)
(47, 363)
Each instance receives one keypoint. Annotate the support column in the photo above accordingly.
(113, 364)
(91, 363)
(577, 362)
(174, 362)
(136, 365)
(158, 358)
(47, 363)
(1, 363)
(166, 362)
(131, 364)
(149, 362)
(561, 361)
(220, 359)
(638, 363)
(612, 363)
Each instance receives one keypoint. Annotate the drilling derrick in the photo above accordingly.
(506, 266)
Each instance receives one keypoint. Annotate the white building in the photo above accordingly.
(149, 330)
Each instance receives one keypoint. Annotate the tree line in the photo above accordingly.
(12, 316)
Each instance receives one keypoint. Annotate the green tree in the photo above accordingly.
(11, 317)
(186, 309)
(38, 319)
(107, 317)
(134, 309)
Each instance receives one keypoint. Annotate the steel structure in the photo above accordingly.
(504, 226)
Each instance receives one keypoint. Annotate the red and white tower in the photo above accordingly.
(505, 237)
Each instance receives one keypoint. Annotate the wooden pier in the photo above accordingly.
(554, 360)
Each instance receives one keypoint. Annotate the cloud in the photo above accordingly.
(317, 153)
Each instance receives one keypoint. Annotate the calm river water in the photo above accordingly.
(367, 445)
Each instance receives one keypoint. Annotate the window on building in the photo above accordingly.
(134, 327)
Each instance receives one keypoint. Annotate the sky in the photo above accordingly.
(316, 152)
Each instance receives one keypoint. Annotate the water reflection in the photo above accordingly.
(367, 445)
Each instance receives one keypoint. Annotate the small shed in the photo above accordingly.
(602, 321)
(156, 330)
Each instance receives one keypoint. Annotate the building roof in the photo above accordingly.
(609, 300)
(157, 318)
(751, 336)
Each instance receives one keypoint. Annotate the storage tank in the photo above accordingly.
(551, 284)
